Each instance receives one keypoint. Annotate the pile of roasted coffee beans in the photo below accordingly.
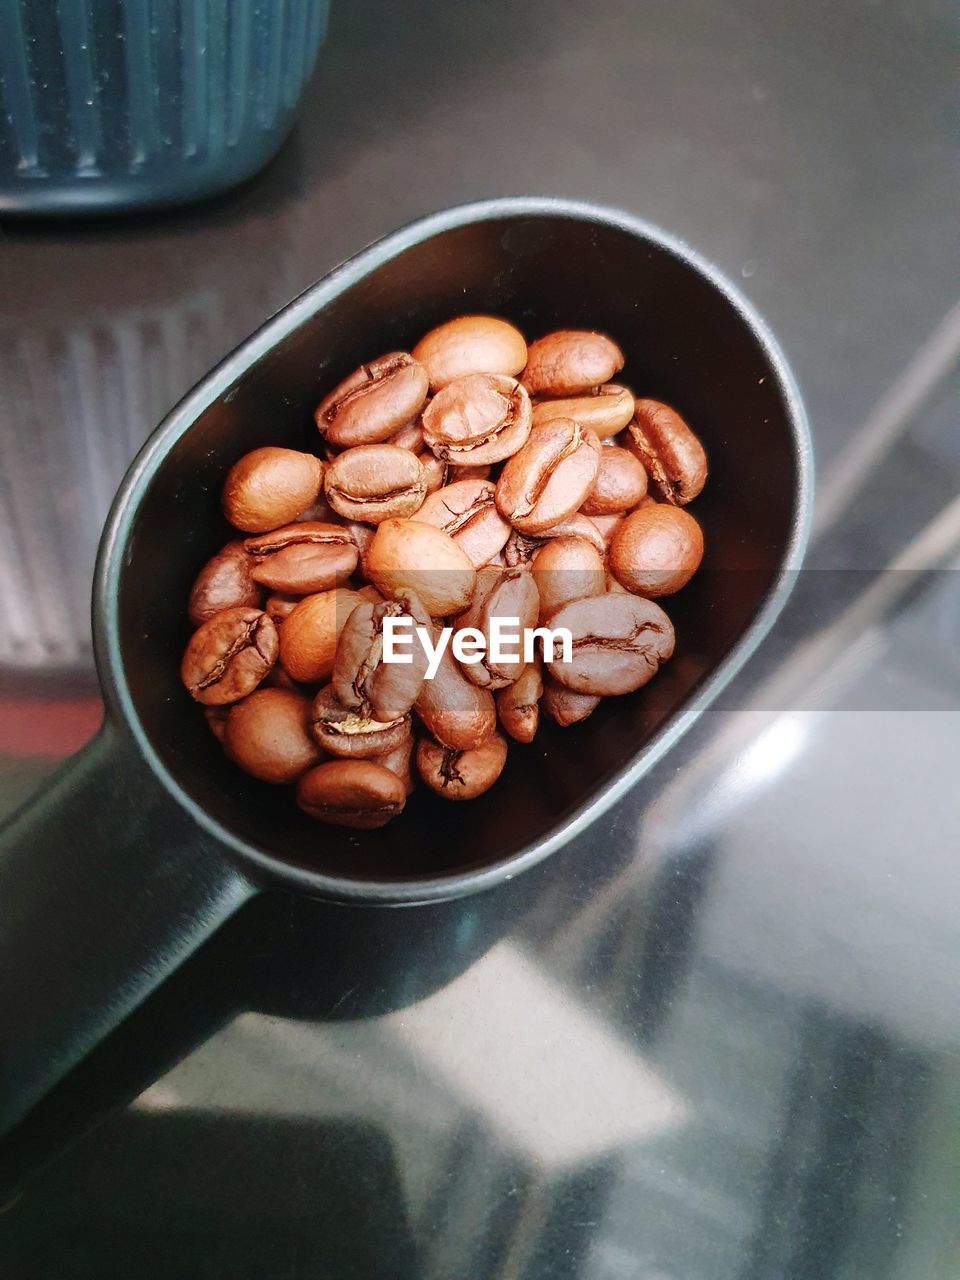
(474, 478)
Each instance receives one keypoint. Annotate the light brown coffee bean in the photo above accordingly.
(607, 526)
(268, 735)
(224, 582)
(374, 401)
(385, 691)
(461, 775)
(500, 593)
(520, 548)
(619, 642)
(671, 454)
(470, 344)
(482, 418)
(457, 712)
(570, 362)
(229, 655)
(375, 482)
(408, 555)
(279, 606)
(270, 487)
(436, 472)
(370, 594)
(548, 479)
(351, 793)
(566, 569)
(474, 472)
(304, 557)
(352, 732)
(308, 635)
(467, 511)
(605, 410)
(565, 706)
(620, 484)
(400, 762)
(656, 550)
(409, 437)
(518, 705)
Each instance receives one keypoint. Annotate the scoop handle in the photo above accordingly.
(106, 886)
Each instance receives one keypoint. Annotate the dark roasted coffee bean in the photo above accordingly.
(383, 690)
(500, 594)
(604, 411)
(620, 485)
(467, 511)
(566, 569)
(224, 582)
(351, 793)
(570, 362)
(457, 712)
(229, 655)
(619, 642)
(375, 482)
(671, 454)
(461, 775)
(375, 401)
(268, 735)
(352, 732)
(548, 479)
(656, 550)
(518, 705)
(470, 344)
(270, 487)
(480, 419)
(303, 558)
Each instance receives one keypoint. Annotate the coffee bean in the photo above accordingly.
(518, 705)
(351, 793)
(385, 691)
(400, 762)
(461, 775)
(548, 479)
(409, 437)
(605, 410)
(216, 718)
(656, 550)
(436, 472)
(268, 735)
(671, 454)
(566, 569)
(565, 706)
(352, 732)
(480, 419)
(302, 558)
(308, 636)
(229, 655)
(374, 401)
(500, 593)
(467, 511)
(620, 484)
(570, 362)
(270, 487)
(606, 527)
(279, 606)
(470, 344)
(375, 482)
(224, 582)
(619, 642)
(457, 712)
(407, 555)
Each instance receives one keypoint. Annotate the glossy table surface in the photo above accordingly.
(717, 1038)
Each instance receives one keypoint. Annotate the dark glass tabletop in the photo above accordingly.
(717, 1037)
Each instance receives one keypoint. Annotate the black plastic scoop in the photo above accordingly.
(149, 838)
